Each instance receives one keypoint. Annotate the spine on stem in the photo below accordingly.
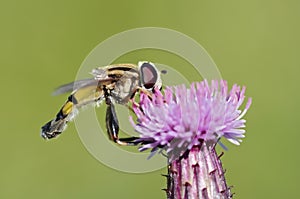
(197, 175)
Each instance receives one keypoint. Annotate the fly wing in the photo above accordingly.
(99, 74)
(66, 88)
(77, 85)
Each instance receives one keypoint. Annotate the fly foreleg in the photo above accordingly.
(112, 126)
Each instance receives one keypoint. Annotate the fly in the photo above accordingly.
(116, 83)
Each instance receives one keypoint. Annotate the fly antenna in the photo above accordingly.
(164, 72)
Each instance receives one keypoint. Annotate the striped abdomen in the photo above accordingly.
(82, 97)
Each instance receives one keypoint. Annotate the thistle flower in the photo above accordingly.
(188, 123)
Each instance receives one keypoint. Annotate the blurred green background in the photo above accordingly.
(254, 43)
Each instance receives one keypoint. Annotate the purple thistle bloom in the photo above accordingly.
(183, 118)
(188, 123)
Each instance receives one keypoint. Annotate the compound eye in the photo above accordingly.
(148, 75)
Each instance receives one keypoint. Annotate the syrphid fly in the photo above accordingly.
(117, 83)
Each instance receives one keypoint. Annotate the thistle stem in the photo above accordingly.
(198, 175)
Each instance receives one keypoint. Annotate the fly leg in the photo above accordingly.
(112, 125)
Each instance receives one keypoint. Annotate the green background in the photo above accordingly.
(42, 44)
